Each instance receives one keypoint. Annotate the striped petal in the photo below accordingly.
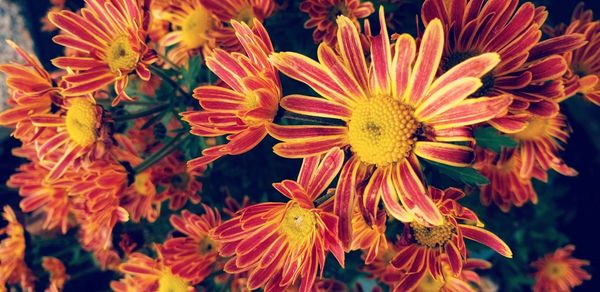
(314, 106)
(445, 98)
(345, 196)
(487, 238)
(404, 54)
(472, 111)
(445, 153)
(350, 48)
(472, 67)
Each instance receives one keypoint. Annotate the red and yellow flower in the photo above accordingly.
(192, 256)
(392, 113)
(559, 271)
(529, 69)
(57, 271)
(243, 110)
(110, 36)
(31, 93)
(422, 248)
(507, 187)
(369, 237)
(277, 243)
(323, 14)
(466, 281)
(13, 269)
(583, 74)
(180, 183)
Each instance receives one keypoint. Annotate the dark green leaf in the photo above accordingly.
(466, 175)
(489, 138)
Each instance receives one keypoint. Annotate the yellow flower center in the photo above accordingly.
(535, 129)
(381, 131)
(171, 283)
(141, 183)
(81, 121)
(434, 236)
(206, 245)
(429, 284)
(298, 225)
(555, 270)
(195, 27)
(246, 15)
(120, 55)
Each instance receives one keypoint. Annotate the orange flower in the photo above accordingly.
(31, 93)
(539, 144)
(80, 135)
(180, 183)
(111, 37)
(529, 69)
(57, 271)
(277, 243)
(323, 14)
(423, 248)
(583, 74)
(143, 273)
(192, 256)
(466, 281)
(559, 271)
(392, 111)
(13, 268)
(244, 111)
(506, 187)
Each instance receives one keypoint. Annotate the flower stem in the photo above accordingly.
(142, 113)
(161, 153)
(311, 120)
(161, 73)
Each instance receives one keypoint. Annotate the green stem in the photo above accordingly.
(142, 113)
(312, 120)
(160, 73)
(161, 153)
(325, 197)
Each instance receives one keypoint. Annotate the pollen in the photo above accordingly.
(434, 236)
(382, 131)
(536, 129)
(298, 224)
(81, 122)
(171, 283)
(120, 55)
(195, 28)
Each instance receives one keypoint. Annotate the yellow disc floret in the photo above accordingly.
(535, 129)
(555, 269)
(432, 236)
(195, 28)
(171, 283)
(298, 224)
(81, 121)
(120, 54)
(382, 131)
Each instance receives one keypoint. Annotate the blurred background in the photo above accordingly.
(567, 212)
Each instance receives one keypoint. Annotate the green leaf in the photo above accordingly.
(489, 138)
(466, 175)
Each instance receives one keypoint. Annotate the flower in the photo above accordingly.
(559, 271)
(529, 69)
(381, 269)
(110, 35)
(31, 93)
(192, 24)
(80, 135)
(584, 66)
(192, 256)
(277, 243)
(143, 273)
(369, 237)
(392, 113)
(180, 183)
(423, 248)
(323, 14)
(507, 187)
(57, 271)
(13, 268)
(244, 111)
(539, 144)
(465, 281)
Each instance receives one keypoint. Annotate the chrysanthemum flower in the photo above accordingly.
(110, 35)
(31, 92)
(244, 111)
(80, 135)
(57, 271)
(559, 271)
(381, 268)
(246, 11)
(583, 74)
(539, 144)
(393, 112)
(466, 281)
(143, 273)
(192, 25)
(13, 268)
(423, 247)
(323, 14)
(192, 256)
(529, 69)
(369, 237)
(507, 187)
(179, 183)
(277, 243)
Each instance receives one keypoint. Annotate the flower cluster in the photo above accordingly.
(151, 96)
